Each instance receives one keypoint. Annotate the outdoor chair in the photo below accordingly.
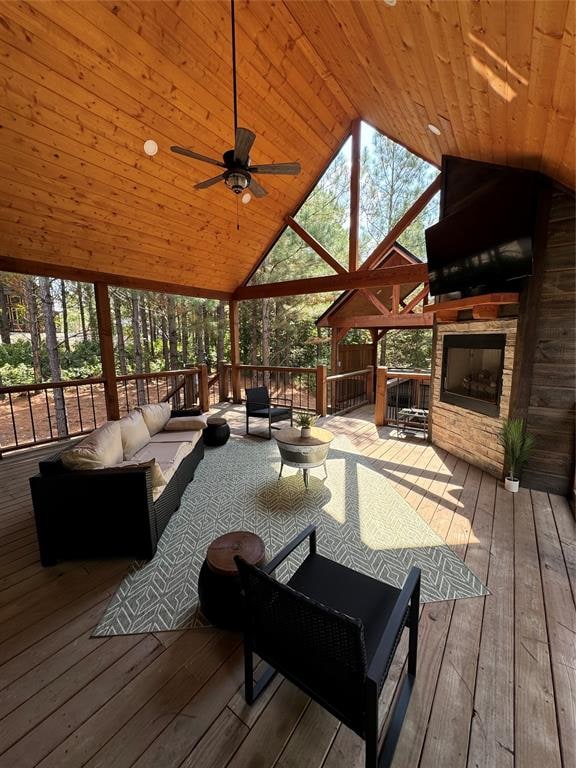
(259, 406)
(333, 632)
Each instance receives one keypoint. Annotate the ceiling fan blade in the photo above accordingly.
(196, 156)
(291, 169)
(256, 189)
(244, 141)
(209, 182)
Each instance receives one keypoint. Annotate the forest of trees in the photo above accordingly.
(58, 336)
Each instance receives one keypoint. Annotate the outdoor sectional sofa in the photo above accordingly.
(113, 493)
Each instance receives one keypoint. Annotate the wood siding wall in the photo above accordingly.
(472, 436)
(551, 408)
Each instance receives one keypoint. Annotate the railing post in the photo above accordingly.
(203, 387)
(223, 390)
(370, 383)
(189, 390)
(381, 407)
(321, 390)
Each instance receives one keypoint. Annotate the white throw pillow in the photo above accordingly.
(155, 416)
(134, 432)
(179, 423)
(102, 448)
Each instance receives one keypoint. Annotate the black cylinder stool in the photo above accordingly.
(216, 432)
(219, 583)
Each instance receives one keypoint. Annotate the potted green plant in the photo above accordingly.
(517, 444)
(305, 421)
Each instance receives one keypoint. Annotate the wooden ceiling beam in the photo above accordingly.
(63, 272)
(314, 244)
(379, 321)
(485, 311)
(382, 308)
(375, 278)
(420, 296)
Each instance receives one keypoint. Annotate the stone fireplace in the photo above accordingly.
(473, 362)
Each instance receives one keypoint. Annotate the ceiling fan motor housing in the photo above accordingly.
(237, 180)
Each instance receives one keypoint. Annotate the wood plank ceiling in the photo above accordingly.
(84, 84)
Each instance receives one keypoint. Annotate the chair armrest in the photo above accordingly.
(309, 532)
(398, 619)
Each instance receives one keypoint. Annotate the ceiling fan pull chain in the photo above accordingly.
(237, 208)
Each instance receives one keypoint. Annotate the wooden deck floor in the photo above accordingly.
(496, 682)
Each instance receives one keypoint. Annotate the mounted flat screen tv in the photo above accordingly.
(485, 244)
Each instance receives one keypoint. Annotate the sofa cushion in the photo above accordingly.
(101, 448)
(181, 423)
(155, 416)
(135, 433)
(167, 455)
(187, 436)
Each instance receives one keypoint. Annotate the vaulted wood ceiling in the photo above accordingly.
(85, 83)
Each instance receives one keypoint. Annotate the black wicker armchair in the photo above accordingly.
(333, 632)
(259, 406)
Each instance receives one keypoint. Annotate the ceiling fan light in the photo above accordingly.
(150, 147)
(246, 197)
(434, 129)
(237, 182)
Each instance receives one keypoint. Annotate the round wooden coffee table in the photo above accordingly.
(219, 583)
(303, 452)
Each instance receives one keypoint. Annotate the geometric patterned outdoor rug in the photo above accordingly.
(362, 523)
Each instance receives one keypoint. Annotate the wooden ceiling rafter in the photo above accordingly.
(315, 245)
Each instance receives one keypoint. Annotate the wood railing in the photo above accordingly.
(346, 391)
(297, 384)
(33, 414)
(402, 399)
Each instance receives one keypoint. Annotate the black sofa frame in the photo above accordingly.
(105, 512)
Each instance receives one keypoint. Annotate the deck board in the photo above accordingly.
(495, 683)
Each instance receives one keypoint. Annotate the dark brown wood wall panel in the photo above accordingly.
(551, 410)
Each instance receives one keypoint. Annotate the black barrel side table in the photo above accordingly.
(219, 587)
(216, 432)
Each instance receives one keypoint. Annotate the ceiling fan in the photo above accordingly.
(238, 174)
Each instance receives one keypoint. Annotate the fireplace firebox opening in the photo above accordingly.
(472, 365)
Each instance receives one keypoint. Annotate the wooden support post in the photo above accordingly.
(354, 197)
(223, 390)
(190, 390)
(235, 350)
(204, 395)
(395, 299)
(370, 384)
(107, 350)
(381, 407)
(321, 390)
(334, 351)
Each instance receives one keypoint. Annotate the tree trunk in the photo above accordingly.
(64, 302)
(200, 349)
(33, 326)
(165, 352)
(266, 338)
(172, 333)
(120, 343)
(4, 315)
(53, 356)
(81, 311)
(137, 342)
(184, 338)
(207, 314)
(221, 311)
(145, 335)
(92, 320)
